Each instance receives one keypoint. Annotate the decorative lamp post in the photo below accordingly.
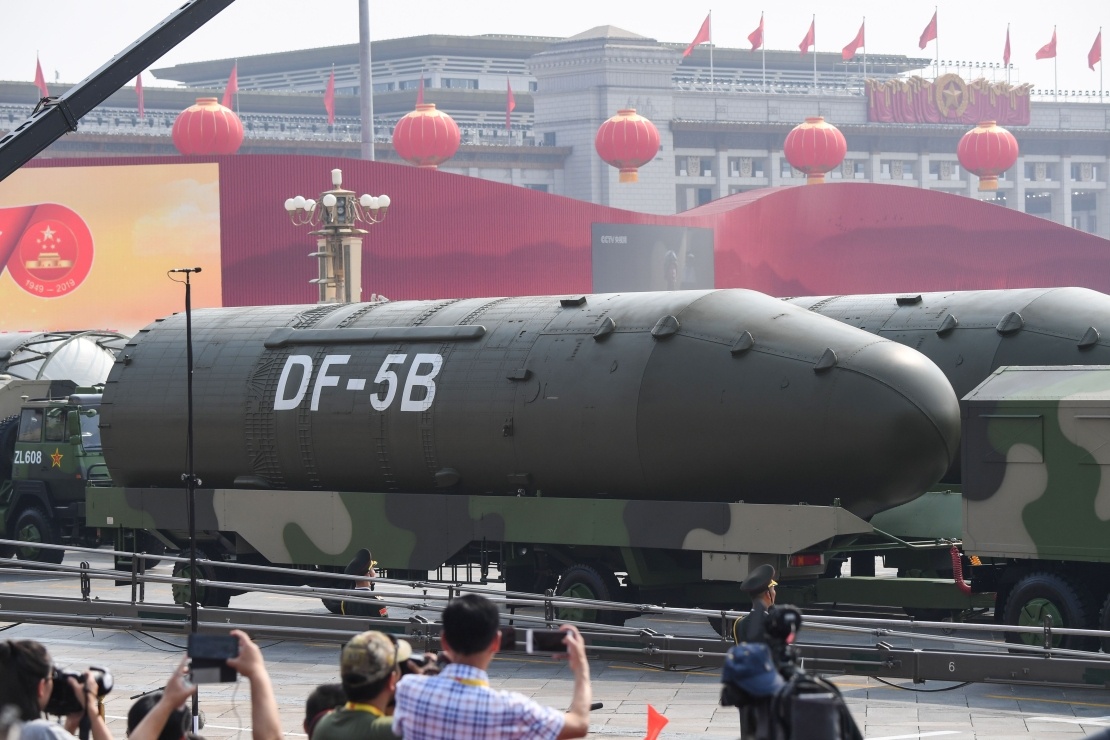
(627, 141)
(207, 128)
(987, 150)
(426, 137)
(815, 147)
(338, 241)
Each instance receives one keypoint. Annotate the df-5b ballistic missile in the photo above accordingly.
(970, 334)
(726, 395)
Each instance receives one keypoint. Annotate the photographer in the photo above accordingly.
(27, 681)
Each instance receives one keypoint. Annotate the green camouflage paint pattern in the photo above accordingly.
(422, 531)
(1037, 447)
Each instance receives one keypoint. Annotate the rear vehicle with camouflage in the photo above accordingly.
(650, 446)
(1036, 452)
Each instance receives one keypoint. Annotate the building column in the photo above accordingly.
(876, 168)
(722, 175)
(1017, 172)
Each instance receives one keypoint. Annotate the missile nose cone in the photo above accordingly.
(906, 432)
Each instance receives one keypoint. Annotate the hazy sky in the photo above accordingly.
(75, 37)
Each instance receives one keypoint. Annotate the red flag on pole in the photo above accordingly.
(807, 42)
(756, 36)
(656, 723)
(510, 105)
(701, 38)
(1048, 51)
(139, 94)
(855, 44)
(1006, 51)
(420, 90)
(329, 99)
(232, 87)
(1094, 56)
(930, 32)
(40, 81)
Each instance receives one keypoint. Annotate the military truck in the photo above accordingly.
(49, 451)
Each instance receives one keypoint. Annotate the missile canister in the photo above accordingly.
(726, 395)
(970, 334)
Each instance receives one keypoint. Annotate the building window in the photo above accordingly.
(411, 84)
(1084, 171)
(549, 138)
(383, 86)
(460, 83)
(537, 186)
(533, 86)
(1040, 171)
(746, 166)
(704, 195)
(944, 170)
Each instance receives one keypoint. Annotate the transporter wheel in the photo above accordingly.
(589, 581)
(206, 595)
(1047, 594)
(34, 527)
(723, 627)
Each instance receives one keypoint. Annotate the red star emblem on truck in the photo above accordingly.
(57, 458)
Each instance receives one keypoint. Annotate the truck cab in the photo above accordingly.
(51, 451)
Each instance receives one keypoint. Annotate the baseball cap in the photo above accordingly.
(750, 667)
(370, 656)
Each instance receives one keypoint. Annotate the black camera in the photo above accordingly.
(64, 701)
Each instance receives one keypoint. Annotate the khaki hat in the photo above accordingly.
(370, 656)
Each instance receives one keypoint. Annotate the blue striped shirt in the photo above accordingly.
(458, 704)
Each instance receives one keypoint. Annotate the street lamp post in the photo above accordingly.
(338, 240)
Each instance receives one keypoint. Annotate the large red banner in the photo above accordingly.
(947, 99)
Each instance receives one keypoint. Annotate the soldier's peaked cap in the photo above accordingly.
(360, 563)
(759, 580)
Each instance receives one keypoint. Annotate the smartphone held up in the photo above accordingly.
(208, 656)
(533, 641)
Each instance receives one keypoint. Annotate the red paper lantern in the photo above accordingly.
(987, 150)
(426, 137)
(207, 128)
(627, 141)
(815, 147)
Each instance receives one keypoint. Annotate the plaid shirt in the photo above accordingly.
(459, 705)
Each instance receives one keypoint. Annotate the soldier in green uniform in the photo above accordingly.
(760, 585)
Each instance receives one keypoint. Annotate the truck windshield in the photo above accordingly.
(90, 429)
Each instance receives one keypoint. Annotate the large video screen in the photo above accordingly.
(637, 257)
(90, 247)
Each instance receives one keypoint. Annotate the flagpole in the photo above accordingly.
(711, 48)
(1100, 64)
(814, 22)
(1007, 61)
(1055, 80)
(936, 44)
(863, 83)
(236, 87)
(763, 49)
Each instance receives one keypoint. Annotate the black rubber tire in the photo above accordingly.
(590, 581)
(1040, 593)
(33, 525)
(206, 595)
(1104, 623)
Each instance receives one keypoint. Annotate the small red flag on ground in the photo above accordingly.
(756, 36)
(139, 94)
(510, 105)
(1006, 50)
(656, 723)
(232, 87)
(855, 44)
(329, 99)
(40, 81)
(1094, 56)
(811, 36)
(701, 38)
(930, 32)
(1048, 51)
